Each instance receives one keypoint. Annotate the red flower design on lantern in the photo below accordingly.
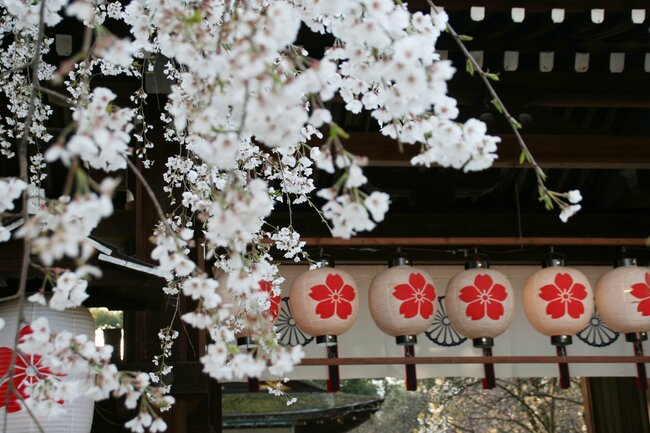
(564, 297)
(274, 308)
(418, 297)
(484, 298)
(334, 297)
(642, 291)
(28, 371)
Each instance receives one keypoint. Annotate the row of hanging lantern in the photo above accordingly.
(557, 300)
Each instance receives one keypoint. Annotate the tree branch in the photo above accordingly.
(24, 176)
(514, 124)
(147, 187)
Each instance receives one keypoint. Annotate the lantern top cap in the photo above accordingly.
(553, 259)
(325, 261)
(399, 259)
(477, 261)
(625, 261)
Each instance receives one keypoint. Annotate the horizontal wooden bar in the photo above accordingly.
(542, 241)
(478, 360)
(550, 151)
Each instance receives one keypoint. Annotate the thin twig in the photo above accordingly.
(147, 187)
(68, 101)
(67, 189)
(539, 173)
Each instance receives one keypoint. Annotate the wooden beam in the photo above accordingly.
(514, 241)
(525, 88)
(476, 360)
(551, 151)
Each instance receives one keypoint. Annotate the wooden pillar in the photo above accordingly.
(614, 404)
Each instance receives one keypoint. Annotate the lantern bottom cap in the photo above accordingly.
(483, 342)
(406, 340)
(561, 340)
(327, 340)
(246, 342)
(633, 337)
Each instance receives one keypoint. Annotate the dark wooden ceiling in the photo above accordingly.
(591, 130)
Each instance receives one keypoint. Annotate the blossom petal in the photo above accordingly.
(640, 291)
(469, 294)
(344, 309)
(409, 308)
(320, 292)
(494, 310)
(578, 291)
(483, 282)
(549, 292)
(644, 307)
(429, 292)
(334, 281)
(575, 308)
(347, 293)
(475, 310)
(498, 293)
(563, 281)
(426, 309)
(556, 308)
(647, 279)
(417, 280)
(403, 292)
(325, 309)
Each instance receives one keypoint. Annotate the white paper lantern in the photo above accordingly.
(558, 301)
(324, 302)
(402, 301)
(623, 299)
(78, 414)
(480, 303)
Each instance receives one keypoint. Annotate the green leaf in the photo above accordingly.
(465, 38)
(337, 131)
(522, 158)
(469, 67)
(516, 123)
(195, 18)
(492, 76)
(497, 105)
(548, 203)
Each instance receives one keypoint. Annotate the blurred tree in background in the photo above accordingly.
(460, 405)
(105, 318)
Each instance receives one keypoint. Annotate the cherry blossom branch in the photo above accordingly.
(147, 187)
(67, 189)
(549, 197)
(24, 176)
(56, 94)
(531, 413)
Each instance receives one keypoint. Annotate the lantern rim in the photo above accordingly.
(634, 337)
(561, 340)
(327, 340)
(406, 340)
